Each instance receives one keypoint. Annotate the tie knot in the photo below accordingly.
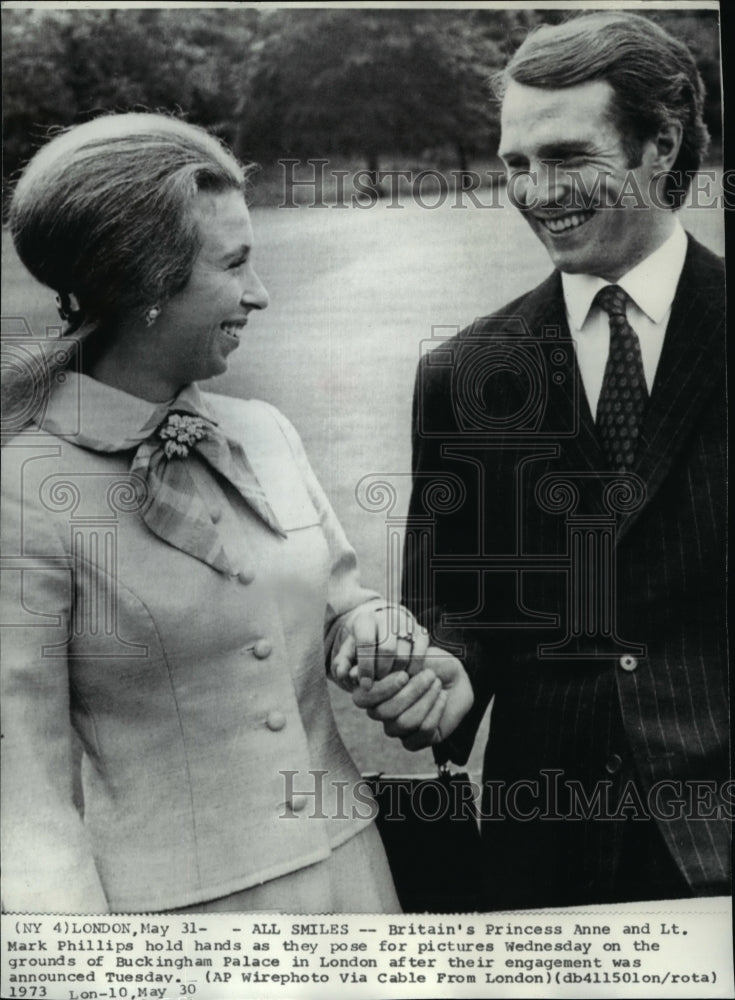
(613, 300)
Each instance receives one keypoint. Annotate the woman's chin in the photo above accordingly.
(220, 361)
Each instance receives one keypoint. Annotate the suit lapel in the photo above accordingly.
(567, 408)
(692, 360)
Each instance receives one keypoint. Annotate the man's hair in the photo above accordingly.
(653, 76)
(104, 210)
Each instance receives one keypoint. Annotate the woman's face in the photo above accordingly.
(200, 326)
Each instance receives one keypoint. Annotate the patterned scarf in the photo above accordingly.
(169, 442)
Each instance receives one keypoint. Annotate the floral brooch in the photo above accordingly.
(180, 431)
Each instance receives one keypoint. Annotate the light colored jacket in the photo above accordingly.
(191, 691)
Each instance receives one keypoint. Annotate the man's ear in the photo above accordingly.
(668, 144)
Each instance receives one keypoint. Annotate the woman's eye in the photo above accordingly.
(237, 263)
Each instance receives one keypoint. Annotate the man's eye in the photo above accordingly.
(237, 263)
(572, 157)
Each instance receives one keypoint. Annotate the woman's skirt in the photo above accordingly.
(355, 878)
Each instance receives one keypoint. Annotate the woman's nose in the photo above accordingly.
(255, 293)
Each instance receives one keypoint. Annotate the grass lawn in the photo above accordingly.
(354, 296)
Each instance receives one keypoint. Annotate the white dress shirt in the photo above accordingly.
(651, 286)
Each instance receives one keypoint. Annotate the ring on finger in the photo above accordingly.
(406, 636)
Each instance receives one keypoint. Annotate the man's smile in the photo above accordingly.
(564, 223)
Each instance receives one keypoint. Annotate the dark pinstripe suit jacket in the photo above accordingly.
(595, 616)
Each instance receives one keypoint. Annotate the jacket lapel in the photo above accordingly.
(692, 361)
(567, 408)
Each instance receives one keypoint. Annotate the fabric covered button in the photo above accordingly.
(275, 721)
(628, 663)
(262, 649)
(298, 802)
(245, 576)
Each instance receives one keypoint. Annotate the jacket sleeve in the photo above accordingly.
(346, 596)
(446, 528)
(48, 865)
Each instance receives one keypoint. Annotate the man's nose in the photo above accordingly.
(545, 186)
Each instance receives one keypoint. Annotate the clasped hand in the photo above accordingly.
(419, 692)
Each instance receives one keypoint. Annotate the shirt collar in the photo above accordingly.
(651, 284)
(95, 415)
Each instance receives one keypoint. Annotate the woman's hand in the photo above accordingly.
(422, 709)
(377, 642)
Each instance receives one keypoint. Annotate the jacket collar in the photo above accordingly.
(98, 416)
(692, 361)
(651, 284)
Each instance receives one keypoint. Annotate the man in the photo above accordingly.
(576, 560)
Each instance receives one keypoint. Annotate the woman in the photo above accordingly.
(179, 579)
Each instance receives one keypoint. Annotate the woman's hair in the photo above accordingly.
(103, 211)
(653, 75)
(102, 214)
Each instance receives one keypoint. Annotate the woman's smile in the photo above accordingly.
(202, 325)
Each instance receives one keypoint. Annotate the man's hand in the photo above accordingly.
(421, 709)
(379, 641)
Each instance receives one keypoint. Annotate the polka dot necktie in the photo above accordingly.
(624, 394)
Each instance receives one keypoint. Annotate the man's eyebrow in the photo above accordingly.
(556, 149)
(563, 147)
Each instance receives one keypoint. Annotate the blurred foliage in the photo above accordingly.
(357, 82)
(698, 30)
(364, 82)
(65, 66)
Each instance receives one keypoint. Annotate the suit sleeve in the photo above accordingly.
(48, 865)
(444, 528)
(346, 595)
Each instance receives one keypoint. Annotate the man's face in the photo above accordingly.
(560, 146)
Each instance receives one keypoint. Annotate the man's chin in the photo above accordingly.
(568, 262)
(569, 267)
(569, 251)
(571, 260)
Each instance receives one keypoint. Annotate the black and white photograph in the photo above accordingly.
(364, 501)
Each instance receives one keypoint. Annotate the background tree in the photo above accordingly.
(370, 82)
(301, 82)
(64, 66)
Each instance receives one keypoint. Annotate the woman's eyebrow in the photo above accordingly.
(242, 251)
